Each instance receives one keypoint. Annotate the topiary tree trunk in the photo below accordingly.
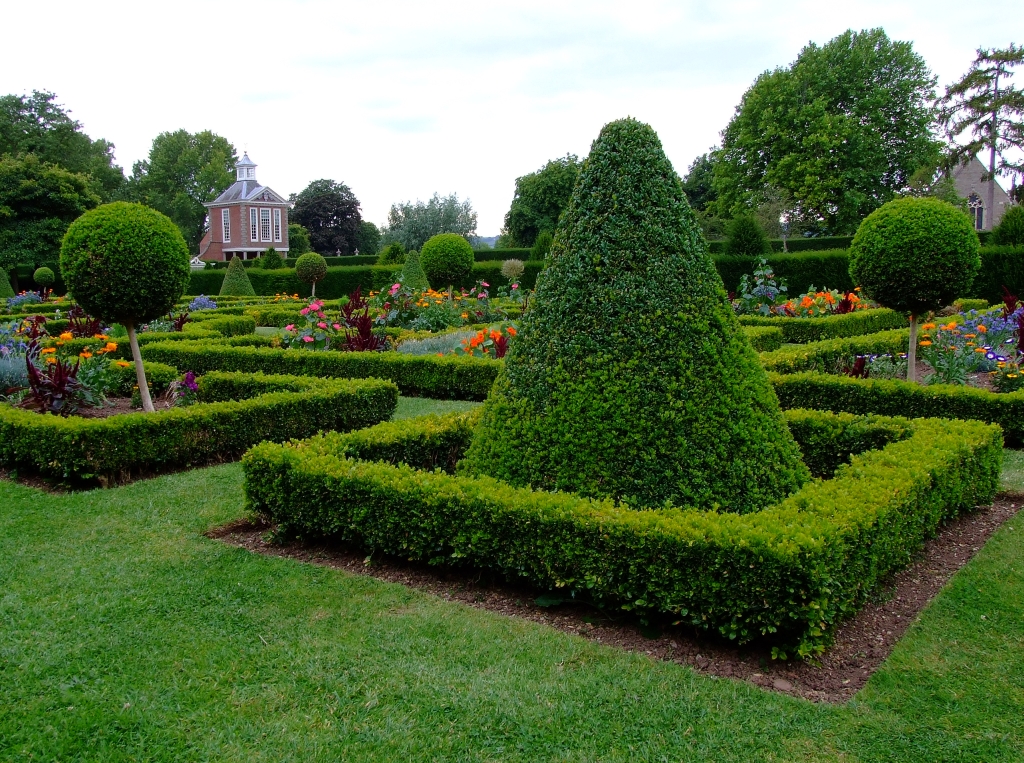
(140, 371)
(912, 351)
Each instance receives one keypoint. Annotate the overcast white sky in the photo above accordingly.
(402, 99)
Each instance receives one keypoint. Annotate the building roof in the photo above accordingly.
(245, 161)
(247, 190)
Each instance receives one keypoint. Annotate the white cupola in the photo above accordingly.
(245, 169)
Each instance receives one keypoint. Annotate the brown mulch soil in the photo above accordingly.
(861, 644)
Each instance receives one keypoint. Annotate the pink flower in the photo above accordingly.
(394, 289)
(307, 339)
(290, 327)
(515, 286)
(320, 315)
(304, 311)
(337, 327)
(484, 283)
(322, 325)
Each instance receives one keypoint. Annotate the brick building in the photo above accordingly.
(970, 186)
(245, 220)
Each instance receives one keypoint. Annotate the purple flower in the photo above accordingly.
(190, 382)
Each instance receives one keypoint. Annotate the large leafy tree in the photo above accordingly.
(329, 211)
(840, 131)
(539, 200)
(36, 124)
(698, 184)
(412, 224)
(985, 105)
(184, 171)
(38, 201)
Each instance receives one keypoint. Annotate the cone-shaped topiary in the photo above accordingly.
(412, 274)
(746, 238)
(271, 260)
(44, 277)
(236, 281)
(311, 268)
(6, 290)
(630, 376)
(446, 258)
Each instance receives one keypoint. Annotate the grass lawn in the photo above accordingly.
(127, 635)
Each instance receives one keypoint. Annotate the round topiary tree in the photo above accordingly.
(1010, 231)
(392, 254)
(311, 268)
(447, 258)
(541, 246)
(236, 281)
(125, 263)
(271, 260)
(412, 274)
(44, 278)
(746, 238)
(914, 255)
(631, 376)
(6, 290)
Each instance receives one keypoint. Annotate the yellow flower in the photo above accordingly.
(465, 316)
(67, 335)
(980, 349)
(51, 359)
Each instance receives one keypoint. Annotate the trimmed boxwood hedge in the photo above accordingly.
(894, 397)
(112, 450)
(449, 377)
(764, 338)
(803, 330)
(827, 354)
(788, 574)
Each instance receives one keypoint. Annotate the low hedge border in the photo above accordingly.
(894, 397)
(828, 354)
(449, 377)
(804, 330)
(764, 338)
(110, 451)
(788, 574)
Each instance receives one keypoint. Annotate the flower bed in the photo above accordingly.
(121, 447)
(788, 574)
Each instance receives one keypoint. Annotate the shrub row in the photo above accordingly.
(827, 355)
(118, 448)
(794, 244)
(894, 397)
(491, 255)
(802, 270)
(804, 330)
(788, 574)
(764, 338)
(449, 377)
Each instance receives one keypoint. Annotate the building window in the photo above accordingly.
(265, 225)
(277, 225)
(225, 225)
(254, 225)
(977, 211)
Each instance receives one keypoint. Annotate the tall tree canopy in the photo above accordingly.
(329, 211)
(841, 130)
(539, 200)
(38, 201)
(698, 185)
(984, 103)
(412, 224)
(37, 125)
(183, 172)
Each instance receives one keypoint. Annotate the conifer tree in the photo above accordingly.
(6, 290)
(631, 376)
(412, 274)
(236, 281)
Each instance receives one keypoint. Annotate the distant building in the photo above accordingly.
(969, 185)
(245, 220)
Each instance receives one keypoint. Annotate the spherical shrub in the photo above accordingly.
(236, 281)
(392, 254)
(124, 263)
(1010, 231)
(630, 376)
(447, 259)
(746, 238)
(44, 277)
(915, 254)
(311, 268)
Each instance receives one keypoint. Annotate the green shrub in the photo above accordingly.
(311, 268)
(227, 325)
(412, 274)
(542, 246)
(298, 240)
(803, 330)
(487, 255)
(115, 449)
(128, 264)
(822, 269)
(583, 404)
(826, 355)
(746, 238)
(788, 574)
(392, 254)
(1010, 231)
(447, 259)
(450, 377)
(6, 290)
(764, 338)
(44, 277)
(271, 260)
(966, 305)
(236, 282)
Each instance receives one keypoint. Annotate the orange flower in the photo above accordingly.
(495, 335)
(67, 335)
(511, 331)
(51, 359)
(101, 337)
(925, 342)
(111, 346)
(85, 354)
(982, 329)
(927, 326)
(48, 350)
(949, 326)
(122, 364)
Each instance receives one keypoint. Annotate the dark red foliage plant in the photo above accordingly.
(1010, 303)
(82, 325)
(846, 304)
(361, 338)
(180, 320)
(350, 310)
(859, 370)
(55, 389)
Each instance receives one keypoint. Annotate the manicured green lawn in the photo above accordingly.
(127, 635)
